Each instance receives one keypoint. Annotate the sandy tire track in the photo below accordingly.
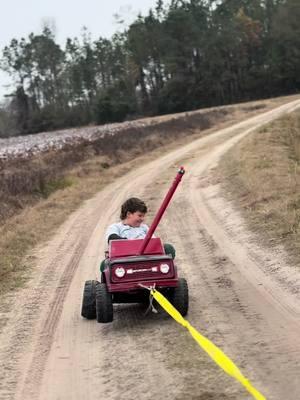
(49, 352)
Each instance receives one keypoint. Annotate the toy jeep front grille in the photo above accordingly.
(142, 268)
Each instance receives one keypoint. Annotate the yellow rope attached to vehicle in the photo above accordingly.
(213, 351)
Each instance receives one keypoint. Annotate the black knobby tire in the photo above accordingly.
(104, 306)
(88, 309)
(180, 297)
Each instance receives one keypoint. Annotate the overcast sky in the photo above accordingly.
(18, 18)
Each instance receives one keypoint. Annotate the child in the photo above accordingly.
(131, 226)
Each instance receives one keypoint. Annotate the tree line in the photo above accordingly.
(181, 56)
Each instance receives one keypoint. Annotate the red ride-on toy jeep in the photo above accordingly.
(131, 267)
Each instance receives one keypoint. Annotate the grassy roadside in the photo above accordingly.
(261, 174)
(37, 221)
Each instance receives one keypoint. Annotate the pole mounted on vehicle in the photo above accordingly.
(162, 209)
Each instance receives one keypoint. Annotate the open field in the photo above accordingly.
(32, 206)
(243, 295)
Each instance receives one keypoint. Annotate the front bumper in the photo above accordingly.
(140, 285)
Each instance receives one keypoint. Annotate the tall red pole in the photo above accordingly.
(162, 209)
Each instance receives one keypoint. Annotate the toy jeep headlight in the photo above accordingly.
(164, 268)
(120, 272)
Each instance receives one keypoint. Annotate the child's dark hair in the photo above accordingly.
(132, 205)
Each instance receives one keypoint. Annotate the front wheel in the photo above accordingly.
(179, 297)
(104, 306)
(88, 309)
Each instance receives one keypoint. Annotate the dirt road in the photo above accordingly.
(243, 297)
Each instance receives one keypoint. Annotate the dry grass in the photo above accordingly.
(43, 191)
(262, 175)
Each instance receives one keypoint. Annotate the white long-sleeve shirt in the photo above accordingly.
(127, 231)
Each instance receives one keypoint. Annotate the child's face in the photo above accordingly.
(135, 219)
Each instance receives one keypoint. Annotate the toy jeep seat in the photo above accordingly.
(126, 248)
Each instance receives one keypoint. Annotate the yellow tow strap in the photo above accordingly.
(213, 351)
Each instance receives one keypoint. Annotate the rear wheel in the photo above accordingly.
(104, 306)
(179, 297)
(88, 309)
